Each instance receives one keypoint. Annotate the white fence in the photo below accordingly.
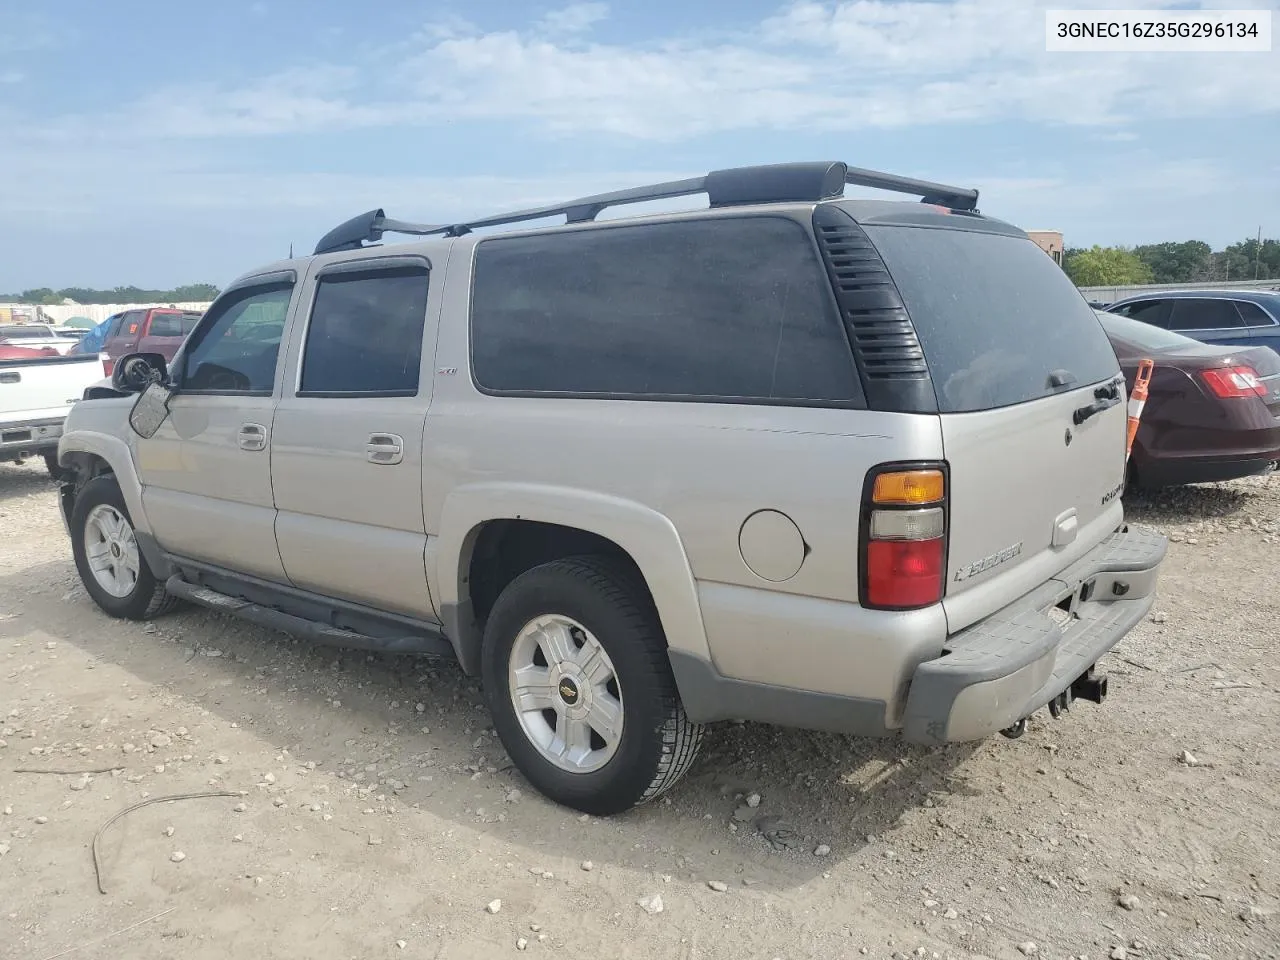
(97, 312)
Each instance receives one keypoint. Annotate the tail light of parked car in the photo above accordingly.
(107, 364)
(1240, 381)
(904, 537)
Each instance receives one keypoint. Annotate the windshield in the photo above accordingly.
(1142, 335)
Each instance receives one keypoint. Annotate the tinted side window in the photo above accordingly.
(995, 317)
(165, 325)
(365, 334)
(235, 349)
(1204, 315)
(131, 323)
(722, 309)
(1154, 312)
(1254, 315)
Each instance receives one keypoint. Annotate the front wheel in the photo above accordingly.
(111, 567)
(576, 673)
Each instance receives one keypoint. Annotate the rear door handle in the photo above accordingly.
(384, 448)
(253, 436)
(10, 376)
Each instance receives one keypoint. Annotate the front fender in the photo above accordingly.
(117, 454)
(647, 536)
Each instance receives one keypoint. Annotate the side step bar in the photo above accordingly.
(272, 619)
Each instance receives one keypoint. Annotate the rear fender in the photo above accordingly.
(646, 535)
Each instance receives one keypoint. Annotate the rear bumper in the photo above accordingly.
(998, 671)
(1176, 471)
(29, 437)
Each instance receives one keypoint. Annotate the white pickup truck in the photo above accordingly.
(36, 392)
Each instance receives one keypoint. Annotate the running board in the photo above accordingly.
(272, 619)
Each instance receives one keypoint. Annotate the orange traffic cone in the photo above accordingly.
(1137, 400)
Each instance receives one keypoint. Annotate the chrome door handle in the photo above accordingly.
(384, 448)
(253, 436)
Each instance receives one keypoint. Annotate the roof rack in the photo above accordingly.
(775, 183)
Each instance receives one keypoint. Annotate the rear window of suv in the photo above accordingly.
(994, 314)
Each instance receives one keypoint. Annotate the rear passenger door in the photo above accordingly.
(1207, 320)
(346, 451)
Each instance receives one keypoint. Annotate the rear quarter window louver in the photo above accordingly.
(889, 357)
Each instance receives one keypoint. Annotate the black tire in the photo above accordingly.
(658, 743)
(148, 599)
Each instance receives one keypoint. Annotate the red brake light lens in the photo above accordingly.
(905, 573)
(1238, 381)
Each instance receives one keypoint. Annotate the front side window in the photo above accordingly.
(236, 349)
(365, 334)
(722, 309)
(1154, 312)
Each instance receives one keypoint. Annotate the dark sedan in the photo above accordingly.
(1213, 412)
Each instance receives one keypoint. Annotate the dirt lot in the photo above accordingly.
(381, 818)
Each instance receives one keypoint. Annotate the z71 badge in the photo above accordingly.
(986, 563)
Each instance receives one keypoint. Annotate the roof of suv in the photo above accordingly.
(1267, 298)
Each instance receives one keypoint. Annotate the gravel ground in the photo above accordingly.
(380, 816)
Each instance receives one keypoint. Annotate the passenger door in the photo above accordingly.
(346, 450)
(1209, 321)
(206, 473)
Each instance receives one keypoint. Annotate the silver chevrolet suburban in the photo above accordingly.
(841, 464)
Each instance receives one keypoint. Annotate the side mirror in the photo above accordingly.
(150, 410)
(134, 372)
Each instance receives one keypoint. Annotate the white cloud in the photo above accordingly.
(812, 66)
(575, 18)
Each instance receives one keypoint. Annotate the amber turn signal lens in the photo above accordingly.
(909, 487)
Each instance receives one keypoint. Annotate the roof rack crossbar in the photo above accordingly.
(775, 183)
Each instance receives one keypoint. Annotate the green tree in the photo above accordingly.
(1184, 262)
(195, 292)
(1105, 267)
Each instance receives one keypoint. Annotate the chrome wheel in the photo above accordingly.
(565, 692)
(111, 550)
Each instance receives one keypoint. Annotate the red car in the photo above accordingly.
(156, 330)
(1212, 413)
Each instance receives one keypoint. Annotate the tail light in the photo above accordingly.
(107, 364)
(1238, 381)
(904, 537)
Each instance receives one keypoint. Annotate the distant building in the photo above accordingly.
(1050, 241)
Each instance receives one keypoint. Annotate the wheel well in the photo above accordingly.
(86, 466)
(504, 549)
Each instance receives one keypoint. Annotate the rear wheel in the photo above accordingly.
(576, 673)
(110, 565)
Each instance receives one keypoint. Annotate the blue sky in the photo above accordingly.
(158, 143)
